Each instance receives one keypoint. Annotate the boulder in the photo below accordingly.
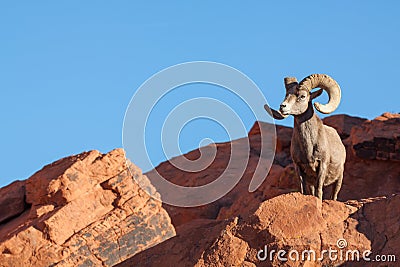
(83, 210)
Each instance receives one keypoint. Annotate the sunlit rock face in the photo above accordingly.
(83, 210)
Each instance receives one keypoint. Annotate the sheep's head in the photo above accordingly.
(299, 95)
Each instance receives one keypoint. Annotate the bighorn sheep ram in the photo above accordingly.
(317, 151)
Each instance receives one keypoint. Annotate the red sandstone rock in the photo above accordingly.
(372, 166)
(287, 222)
(84, 210)
(12, 200)
(387, 115)
(343, 123)
(378, 139)
(362, 179)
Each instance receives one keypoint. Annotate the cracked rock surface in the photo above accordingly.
(367, 216)
(287, 222)
(88, 210)
(83, 210)
(364, 177)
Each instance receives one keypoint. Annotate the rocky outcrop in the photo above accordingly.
(239, 201)
(88, 210)
(363, 177)
(84, 210)
(372, 167)
(290, 222)
(378, 139)
(12, 201)
(343, 124)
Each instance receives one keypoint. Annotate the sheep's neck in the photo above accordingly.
(306, 127)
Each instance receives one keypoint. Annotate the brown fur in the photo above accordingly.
(317, 150)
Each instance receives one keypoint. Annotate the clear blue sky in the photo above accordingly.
(69, 68)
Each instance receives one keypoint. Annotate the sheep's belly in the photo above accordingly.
(311, 174)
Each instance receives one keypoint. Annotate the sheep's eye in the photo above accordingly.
(302, 96)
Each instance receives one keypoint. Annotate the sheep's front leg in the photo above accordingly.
(312, 190)
(303, 184)
(322, 170)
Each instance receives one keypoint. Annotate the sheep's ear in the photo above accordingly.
(316, 94)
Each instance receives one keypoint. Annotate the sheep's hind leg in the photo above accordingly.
(322, 170)
(337, 186)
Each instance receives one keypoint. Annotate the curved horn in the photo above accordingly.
(290, 82)
(274, 113)
(325, 82)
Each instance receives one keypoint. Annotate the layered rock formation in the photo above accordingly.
(369, 185)
(84, 210)
(290, 223)
(364, 176)
(87, 210)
